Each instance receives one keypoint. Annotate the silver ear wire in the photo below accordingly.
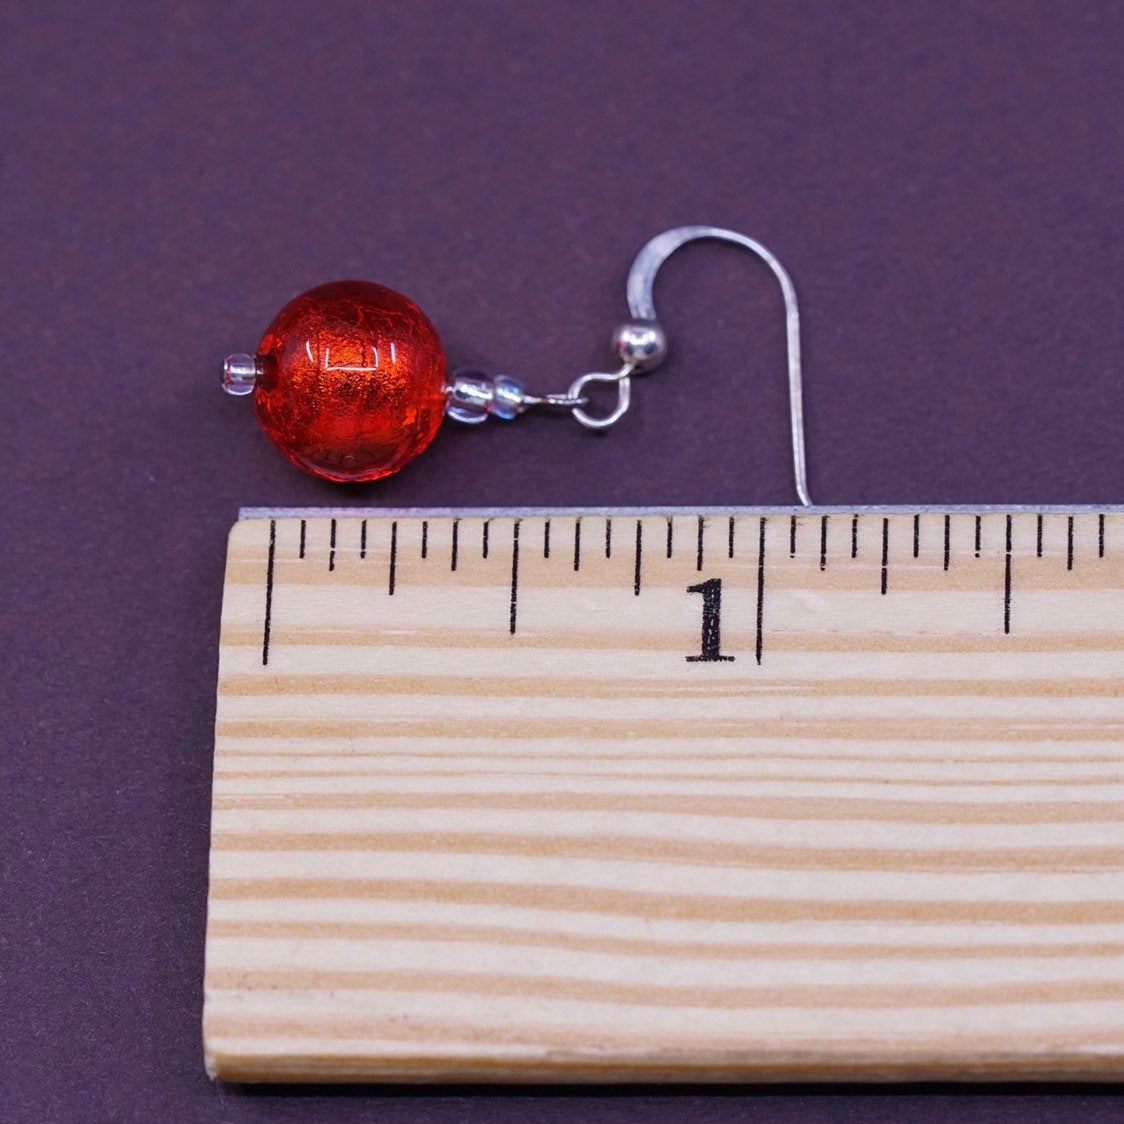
(641, 281)
(641, 345)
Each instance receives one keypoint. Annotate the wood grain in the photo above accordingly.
(477, 815)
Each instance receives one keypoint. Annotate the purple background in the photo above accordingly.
(943, 180)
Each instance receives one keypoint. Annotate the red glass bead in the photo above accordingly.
(351, 381)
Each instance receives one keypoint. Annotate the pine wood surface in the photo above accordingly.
(477, 815)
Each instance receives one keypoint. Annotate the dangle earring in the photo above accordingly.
(350, 382)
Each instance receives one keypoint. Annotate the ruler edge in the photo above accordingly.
(248, 513)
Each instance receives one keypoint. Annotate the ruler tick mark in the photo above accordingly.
(823, 542)
(699, 558)
(1100, 535)
(916, 535)
(792, 538)
(363, 539)
(1069, 546)
(979, 528)
(514, 575)
(425, 538)
(639, 547)
(885, 553)
(1007, 582)
(854, 536)
(332, 547)
(1039, 549)
(669, 535)
(393, 556)
(484, 539)
(577, 545)
(302, 538)
(546, 539)
(760, 588)
(947, 539)
(269, 592)
(608, 538)
(731, 543)
(456, 533)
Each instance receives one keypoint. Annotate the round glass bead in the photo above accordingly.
(350, 381)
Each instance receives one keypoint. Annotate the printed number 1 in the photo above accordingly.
(711, 641)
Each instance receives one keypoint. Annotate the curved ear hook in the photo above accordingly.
(640, 344)
(641, 279)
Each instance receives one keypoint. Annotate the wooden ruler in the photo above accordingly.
(669, 796)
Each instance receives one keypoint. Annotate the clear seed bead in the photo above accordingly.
(507, 398)
(472, 396)
(239, 374)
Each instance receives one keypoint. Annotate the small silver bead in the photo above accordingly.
(641, 344)
(239, 374)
